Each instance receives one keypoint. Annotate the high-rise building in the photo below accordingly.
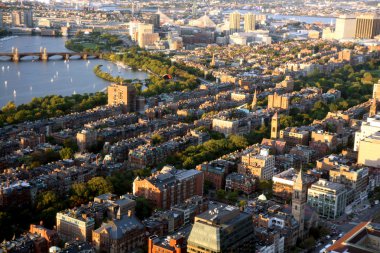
(222, 229)
(16, 18)
(155, 20)
(371, 126)
(373, 108)
(275, 127)
(28, 18)
(369, 154)
(376, 91)
(234, 22)
(146, 35)
(124, 95)
(345, 27)
(1, 19)
(299, 199)
(249, 22)
(367, 26)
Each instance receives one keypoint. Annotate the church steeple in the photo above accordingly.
(299, 199)
(254, 101)
(212, 63)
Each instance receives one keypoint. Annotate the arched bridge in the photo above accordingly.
(43, 55)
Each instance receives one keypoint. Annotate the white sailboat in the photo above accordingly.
(6, 84)
(14, 93)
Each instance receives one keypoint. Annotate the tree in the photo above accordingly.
(143, 208)
(66, 153)
(46, 199)
(157, 139)
(99, 185)
(221, 194)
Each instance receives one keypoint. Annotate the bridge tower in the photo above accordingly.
(44, 55)
(16, 56)
(67, 57)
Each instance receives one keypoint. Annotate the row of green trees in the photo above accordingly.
(158, 65)
(106, 76)
(354, 82)
(215, 148)
(50, 106)
(94, 42)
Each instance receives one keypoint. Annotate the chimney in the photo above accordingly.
(130, 213)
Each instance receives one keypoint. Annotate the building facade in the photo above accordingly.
(327, 198)
(169, 186)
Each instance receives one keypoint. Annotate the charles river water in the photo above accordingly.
(20, 82)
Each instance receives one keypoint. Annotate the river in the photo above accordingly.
(20, 82)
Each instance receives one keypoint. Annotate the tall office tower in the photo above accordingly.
(234, 22)
(376, 91)
(249, 22)
(275, 125)
(299, 200)
(367, 26)
(155, 20)
(345, 27)
(16, 18)
(1, 19)
(124, 95)
(28, 18)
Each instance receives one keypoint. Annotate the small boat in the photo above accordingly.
(6, 84)
(2, 68)
(14, 93)
(7, 67)
(51, 80)
(18, 73)
(56, 73)
(71, 80)
(67, 66)
(30, 88)
(74, 92)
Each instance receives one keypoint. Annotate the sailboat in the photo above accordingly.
(14, 93)
(30, 88)
(6, 84)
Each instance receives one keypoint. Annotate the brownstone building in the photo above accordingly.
(215, 172)
(51, 236)
(173, 244)
(169, 186)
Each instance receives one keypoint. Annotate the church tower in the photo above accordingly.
(299, 199)
(275, 125)
(254, 101)
(213, 63)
